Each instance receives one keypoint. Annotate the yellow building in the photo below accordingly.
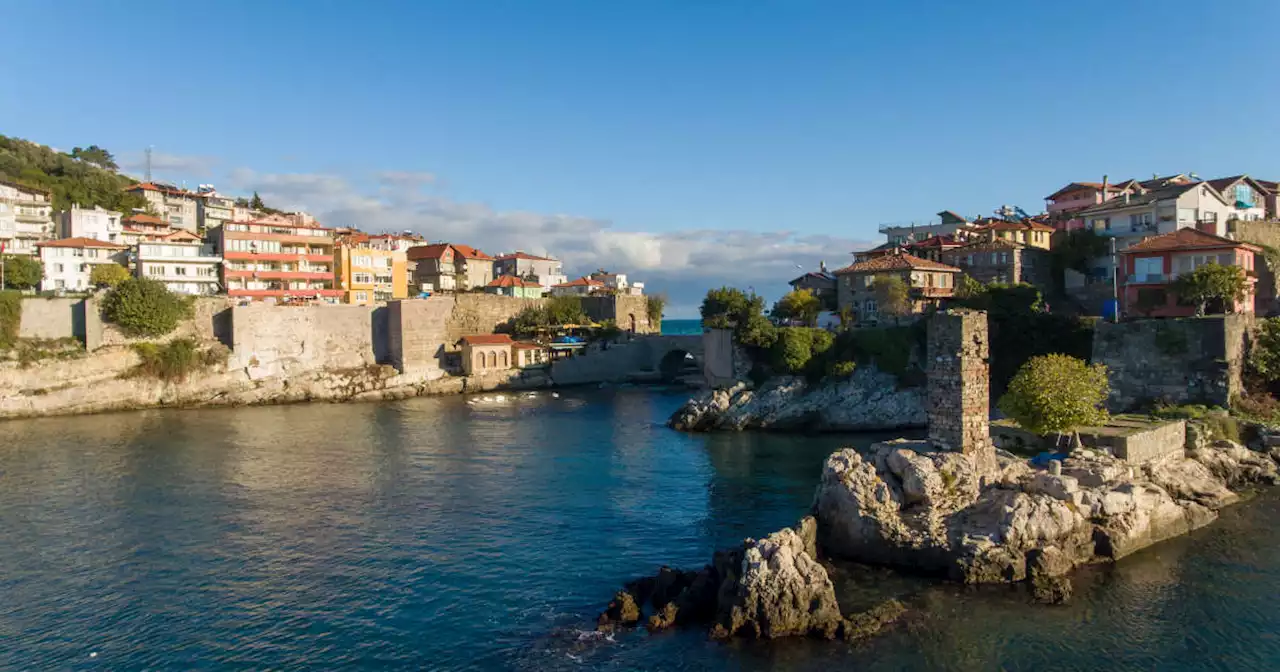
(368, 274)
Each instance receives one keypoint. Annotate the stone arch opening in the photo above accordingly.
(631, 322)
(677, 363)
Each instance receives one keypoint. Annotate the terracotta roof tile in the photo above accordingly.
(581, 282)
(81, 242)
(1186, 239)
(895, 262)
(488, 339)
(143, 218)
(511, 281)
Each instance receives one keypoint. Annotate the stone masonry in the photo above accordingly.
(958, 382)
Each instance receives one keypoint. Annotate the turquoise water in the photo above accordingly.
(681, 327)
(457, 533)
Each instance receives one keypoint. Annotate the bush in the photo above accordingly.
(145, 307)
(22, 272)
(653, 310)
(1264, 351)
(1212, 283)
(108, 275)
(175, 360)
(1057, 393)
(795, 348)
(842, 369)
(10, 318)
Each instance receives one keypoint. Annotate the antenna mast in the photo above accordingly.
(148, 165)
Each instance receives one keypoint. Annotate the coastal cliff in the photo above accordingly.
(867, 400)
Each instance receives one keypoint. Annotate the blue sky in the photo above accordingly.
(691, 143)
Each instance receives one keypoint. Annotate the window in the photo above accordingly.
(362, 278)
(205, 271)
(84, 268)
(179, 270)
(155, 269)
(60, 284)
(361, 261)
(1145, 267)
(57, 268)
(362, 296)
(869, 308)
(1141, 222)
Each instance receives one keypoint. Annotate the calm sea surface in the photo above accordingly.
(473, 533)
(681, 327)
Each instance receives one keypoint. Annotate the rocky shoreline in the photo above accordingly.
(909, 505)
(867, 400)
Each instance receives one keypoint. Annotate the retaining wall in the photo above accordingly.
(1178, 361)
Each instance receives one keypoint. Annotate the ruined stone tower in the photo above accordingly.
(958, 380)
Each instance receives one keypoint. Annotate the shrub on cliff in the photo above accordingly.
(654, 304)
(10, 318)
(1057, 394)
(176, 360)
(795, 349)
(21, 272)
(145, 307)
(893, 297)
(108, 275)
(1264, 351)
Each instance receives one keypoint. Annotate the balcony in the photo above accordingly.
(1149, 279)
(279, 274)
(933, 292)
(236, 255)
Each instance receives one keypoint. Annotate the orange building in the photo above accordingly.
(368, 272)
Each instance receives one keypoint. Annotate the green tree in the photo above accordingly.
(725, 307)
(654, 303)
(967, 288)
(144, 307)
(1212, 282)
(800, 305)
(893, 297)
(1264, 351)
(10, 318)
(95, 155)
(68, 179)
(21, 272)
(108, 275)
(795, 349)
(1057, 394)
(256, 202)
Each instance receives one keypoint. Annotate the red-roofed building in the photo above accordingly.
(277, 259)
(68, 263)
(178, 208)
(583, 286)
(483, 353)
(546, 271)
(1149, 267)
(928, 283)
(141, 227)
(449, 267)
(510, 285)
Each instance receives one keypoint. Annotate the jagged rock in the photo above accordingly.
(1189, 480)
(872, 620)
(864, 401)
(1237, 465)
(1051, 589)
(781, 592)
(622, 611)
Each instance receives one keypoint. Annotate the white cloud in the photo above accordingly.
(682, 264)
(168, 167)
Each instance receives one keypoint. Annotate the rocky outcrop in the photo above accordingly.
(867, 400)
(768, 588)
(908, 505)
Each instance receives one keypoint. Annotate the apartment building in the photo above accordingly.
(178, 208)
(368, 274)
(213, 209)
(140, 227)
(96, 223)
(928, 283)
(449, 267)
(277, 260)
(26, 218)
(545, 271)
(183, 265)
(1150, 268)
(68, 263)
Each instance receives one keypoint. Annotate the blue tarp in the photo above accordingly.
(1043, 458)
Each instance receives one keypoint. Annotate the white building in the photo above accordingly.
(579, 287)
(547, 271)
(26, 218)
(184, 267)
(69, 262)
(617, 283)
(98, 224)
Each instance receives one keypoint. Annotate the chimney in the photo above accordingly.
(1104, 189)
(1126, 198)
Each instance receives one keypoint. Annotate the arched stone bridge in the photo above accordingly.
(644, 356)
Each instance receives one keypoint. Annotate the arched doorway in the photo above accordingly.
(631, 322)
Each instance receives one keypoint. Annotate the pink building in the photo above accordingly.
(1149, 268)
